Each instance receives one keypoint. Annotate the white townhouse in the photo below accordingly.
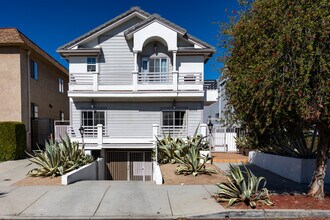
(132, 78)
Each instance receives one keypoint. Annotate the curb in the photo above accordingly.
(266, 213)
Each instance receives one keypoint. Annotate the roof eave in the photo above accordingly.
(79, 52)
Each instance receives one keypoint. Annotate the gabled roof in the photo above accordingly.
(177, 28)
(148, 19)
(151, 19)
(12, 37)
(106, 24)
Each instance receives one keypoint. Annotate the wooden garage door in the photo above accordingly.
(129, 165)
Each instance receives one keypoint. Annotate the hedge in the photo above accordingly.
(12, 140)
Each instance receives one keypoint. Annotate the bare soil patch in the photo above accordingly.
(288, 201)
(170, 178)
(39, 181)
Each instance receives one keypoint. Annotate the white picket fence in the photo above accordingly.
(223, 139)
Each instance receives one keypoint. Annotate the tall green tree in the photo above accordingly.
(277, 71)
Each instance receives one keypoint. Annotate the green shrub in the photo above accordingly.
(12, 140)
(59, 158)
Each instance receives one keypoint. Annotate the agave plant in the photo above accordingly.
(58, 158)
(243, 186)
(193, 163)
(168, 147)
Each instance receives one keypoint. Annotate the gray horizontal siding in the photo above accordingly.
(136, 119)
(116, 62)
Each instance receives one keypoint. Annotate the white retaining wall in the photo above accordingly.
(295, 169)
(92, 171)
(157, 174)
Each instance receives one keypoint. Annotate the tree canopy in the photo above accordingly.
(277, 69)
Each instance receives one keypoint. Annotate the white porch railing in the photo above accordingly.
(89, 131)
(154, 78)
(81, 78)
(190, 78)
(174, 131)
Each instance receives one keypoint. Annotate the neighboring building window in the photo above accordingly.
(34, 110)
(34, 69)
(91, 64)
(174, 118)
(60, 85)
(92, 118)
(154, 65)
(61, 116)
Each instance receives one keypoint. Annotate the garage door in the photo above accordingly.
(129, 165)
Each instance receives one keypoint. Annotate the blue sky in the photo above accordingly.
(51, 24)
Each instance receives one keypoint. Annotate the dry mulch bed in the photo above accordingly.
(39, 181)
(288, 201)
(170, 178)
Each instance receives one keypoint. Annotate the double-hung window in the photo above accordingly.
(91, 64)
(90, 119)
(174, 122)
(34, 69)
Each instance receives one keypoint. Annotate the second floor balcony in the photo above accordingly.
(140, 81)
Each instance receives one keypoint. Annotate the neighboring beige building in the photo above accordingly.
(33, 86)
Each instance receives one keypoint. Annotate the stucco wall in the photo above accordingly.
(45, 91)
(10, 84)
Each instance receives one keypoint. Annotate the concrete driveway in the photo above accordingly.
(107, 199)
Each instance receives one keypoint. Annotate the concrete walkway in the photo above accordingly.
(107, 199)
(13, 171)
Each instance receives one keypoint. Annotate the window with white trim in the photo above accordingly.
(154, 65)
(60, 85)
(92, 118)
(174, 118)
(91, 64)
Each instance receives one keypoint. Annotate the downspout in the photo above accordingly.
(28, 133)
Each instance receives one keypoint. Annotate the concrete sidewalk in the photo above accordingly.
(13, 171)
(107, 199)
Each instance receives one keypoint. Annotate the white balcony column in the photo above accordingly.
(175, 72)
(174, 61)
(135, 71)
(135, 53)
(155, 128)
(95, 81)
(99, 135)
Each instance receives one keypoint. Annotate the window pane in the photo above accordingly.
(179, 118)
(164, 65)
(35, 69)
(91, 68)
(145, 66)
(91, 60)
(151, 65)
(167, 118)
(157, 65)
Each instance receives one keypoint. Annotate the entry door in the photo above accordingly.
(129, 165)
